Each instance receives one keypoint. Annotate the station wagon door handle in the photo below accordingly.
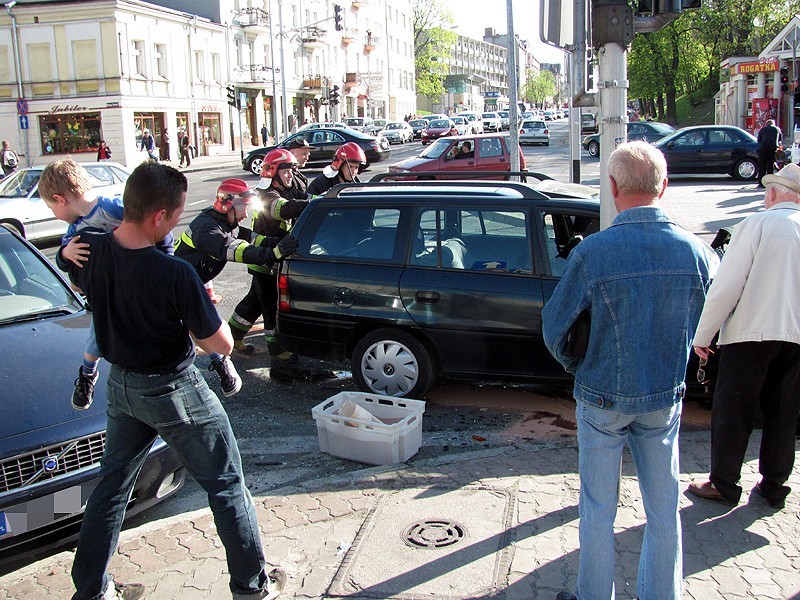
(427, 297)
(344, 297)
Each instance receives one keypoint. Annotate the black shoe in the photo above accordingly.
(566, 596)
(122, 591)
(83, 394)
(228, 377)
(243, 347)
(777, 504)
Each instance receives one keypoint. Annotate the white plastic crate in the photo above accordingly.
(395, 440)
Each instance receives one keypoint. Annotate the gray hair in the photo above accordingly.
(783, 191)
(638, 168)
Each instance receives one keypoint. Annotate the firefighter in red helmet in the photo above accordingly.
(275, 215)
(347, 163)
(215, 237)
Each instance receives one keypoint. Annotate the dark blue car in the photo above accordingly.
(49, 452)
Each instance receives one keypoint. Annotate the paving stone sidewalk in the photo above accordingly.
(749, 551)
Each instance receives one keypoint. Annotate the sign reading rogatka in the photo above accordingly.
(762, 66)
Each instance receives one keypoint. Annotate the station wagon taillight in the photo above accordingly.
(283, 293)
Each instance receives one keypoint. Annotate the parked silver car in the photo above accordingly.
(22, 209)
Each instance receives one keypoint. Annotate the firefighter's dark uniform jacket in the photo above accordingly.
(322, 183)
(210, 241)
(276, 215)
(299, 186)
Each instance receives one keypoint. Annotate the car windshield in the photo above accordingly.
(503, 113)
(29, 289)
(534, 125)
(469, 117)
(19, 183)
(440, 124)
(394, 126)
(489, 115)
(355, 122)
(662, 128)
(436, 149)
(418, 123)
(458, 120)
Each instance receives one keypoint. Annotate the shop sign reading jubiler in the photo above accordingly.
(750, 68)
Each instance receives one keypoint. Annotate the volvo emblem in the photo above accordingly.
(50, 464)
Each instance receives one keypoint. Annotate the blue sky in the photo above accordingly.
(473, 16)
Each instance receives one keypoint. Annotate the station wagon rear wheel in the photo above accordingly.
(392, 363)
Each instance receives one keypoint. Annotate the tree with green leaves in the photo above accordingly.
(433, 44)
(539, 86)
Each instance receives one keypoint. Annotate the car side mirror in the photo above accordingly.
(671, 145)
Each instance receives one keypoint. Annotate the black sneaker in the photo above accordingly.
(122, 591)
(228, 377)
(83, 394)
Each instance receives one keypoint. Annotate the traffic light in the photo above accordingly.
(337, 17)
(334, 97)
(784, 79)
(232, 96)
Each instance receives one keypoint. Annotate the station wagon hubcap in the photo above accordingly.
(390, 368)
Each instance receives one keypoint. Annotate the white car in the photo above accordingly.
(492, 121)
(397, 131)
(462, 125)
(23, 210)
(475, 120)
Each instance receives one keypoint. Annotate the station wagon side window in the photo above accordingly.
(474, 239)
(562, 232)
(366, 233)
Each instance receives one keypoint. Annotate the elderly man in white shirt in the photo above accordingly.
(754, 303)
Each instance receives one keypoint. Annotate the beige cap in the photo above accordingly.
(788, 176)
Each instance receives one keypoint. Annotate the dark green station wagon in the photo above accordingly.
(413, 280)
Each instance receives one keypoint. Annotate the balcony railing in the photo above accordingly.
(350, 80)
(312, 82)
(254, 73)
(349, 35)
(248, 17)
(372, 41)
(312, 37)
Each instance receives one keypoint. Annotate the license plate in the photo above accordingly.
(43, 511)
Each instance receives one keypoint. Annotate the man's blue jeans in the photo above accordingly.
(189, 417)
(653, 440)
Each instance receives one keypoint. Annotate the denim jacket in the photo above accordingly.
(644, 281)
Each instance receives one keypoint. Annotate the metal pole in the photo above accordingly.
(274, 104)
(792, 89)
(512, 89)
(285, 126)
(23, 135)
(613, 84)
(577, 63)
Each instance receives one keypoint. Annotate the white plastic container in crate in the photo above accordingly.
(395, 440)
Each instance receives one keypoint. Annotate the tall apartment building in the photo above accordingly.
(108, 69)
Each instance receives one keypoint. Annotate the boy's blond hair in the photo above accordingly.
(64, 177)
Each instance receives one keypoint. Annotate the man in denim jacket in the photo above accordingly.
(643, 281)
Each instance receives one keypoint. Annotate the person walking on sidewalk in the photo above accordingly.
(135, 288)
(642, 274)
(165, 145)
(264, 135)
(769, 138)
(149, 144)
(754, 304)
(8, 159)
(183, 148)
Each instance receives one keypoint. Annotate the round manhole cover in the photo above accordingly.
(434, 533)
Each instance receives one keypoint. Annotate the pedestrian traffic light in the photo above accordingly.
(232, 96)
(784, 79)
(337, 17)
(334, 97)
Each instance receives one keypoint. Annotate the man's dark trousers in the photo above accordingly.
(751, 372)
(766, 161)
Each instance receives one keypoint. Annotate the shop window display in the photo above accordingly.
(70, 133)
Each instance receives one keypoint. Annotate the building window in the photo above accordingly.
(142, 121)
(84, 57)
(216, 70)
(66, 133)
(41, 69)
(210, 130)
(160, 53)
(138, 58)
(199, 67)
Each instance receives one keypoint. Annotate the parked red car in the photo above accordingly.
(465, 153)
(438, 128)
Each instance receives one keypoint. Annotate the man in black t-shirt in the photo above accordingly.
(147, 308)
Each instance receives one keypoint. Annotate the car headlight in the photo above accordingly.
(398, 170)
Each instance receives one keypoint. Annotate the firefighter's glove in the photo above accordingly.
(285, 247)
